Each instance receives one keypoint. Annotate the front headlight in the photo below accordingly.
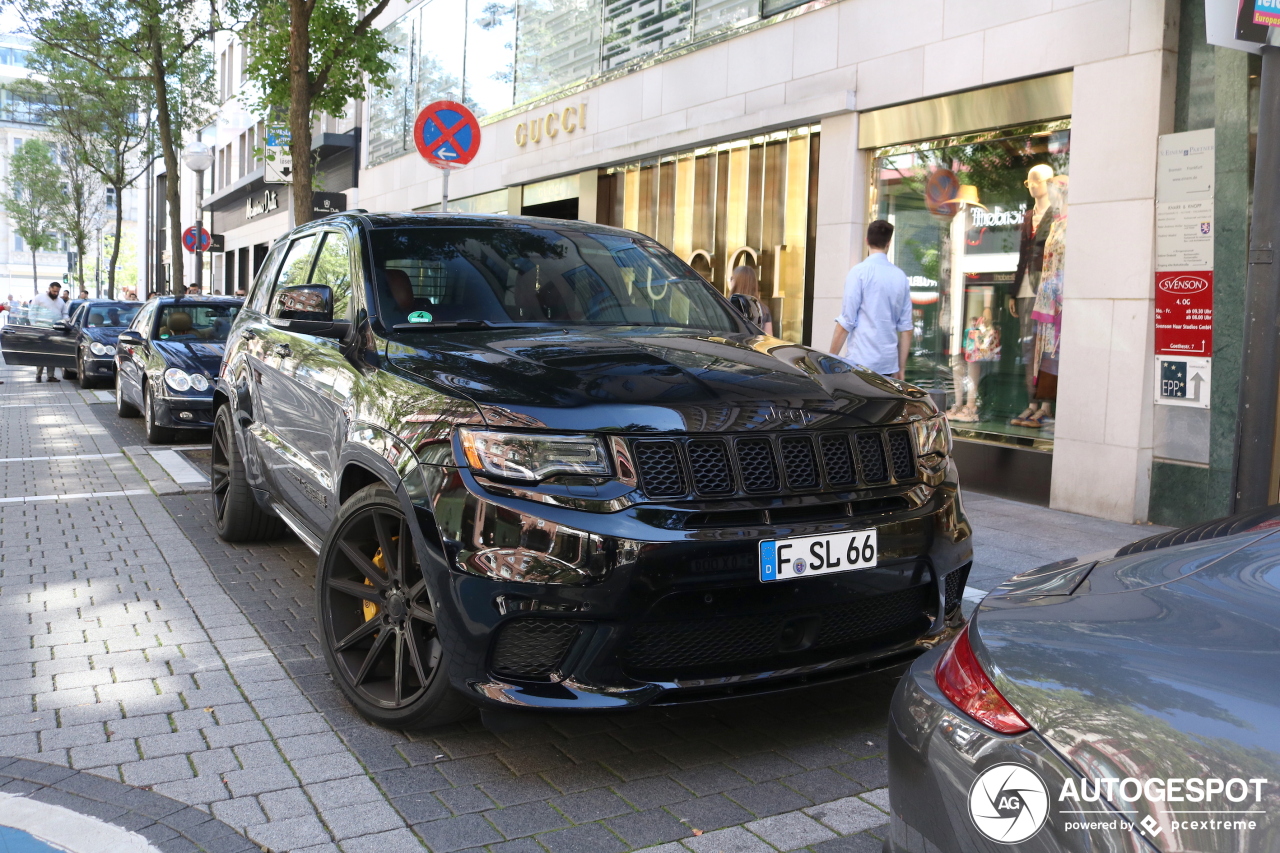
(101, 349)
(932, 436)
(529, 456)
(177, 379)
(199, 382)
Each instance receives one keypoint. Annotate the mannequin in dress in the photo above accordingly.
(1026, 284)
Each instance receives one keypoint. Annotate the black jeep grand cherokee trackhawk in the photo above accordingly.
(544, 464)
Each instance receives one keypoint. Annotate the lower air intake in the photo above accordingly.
(532, 648)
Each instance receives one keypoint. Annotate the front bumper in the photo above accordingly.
(100, 366)
(185, 412)
(937, 753)
(628, 608)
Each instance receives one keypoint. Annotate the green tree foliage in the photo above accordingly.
(35, 198)
(308, 57)
(103, 123)
(156, 48)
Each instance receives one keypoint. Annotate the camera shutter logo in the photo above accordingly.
(1008, 803)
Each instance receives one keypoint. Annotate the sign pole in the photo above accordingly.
(1258, 389)
(199, 229)
(444, 193)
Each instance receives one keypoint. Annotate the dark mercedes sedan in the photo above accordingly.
(1128, 702)
(167, 362)
(83, 345)
(544, 464)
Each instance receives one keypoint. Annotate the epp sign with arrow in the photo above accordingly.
(189, 239)
(1182, 381)
(447, 134)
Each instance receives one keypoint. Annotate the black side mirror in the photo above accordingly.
(312, 302)
(308, 310)
(749, 307)
(62, 326)
(131, 338)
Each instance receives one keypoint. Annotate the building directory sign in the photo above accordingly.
(1184, 268)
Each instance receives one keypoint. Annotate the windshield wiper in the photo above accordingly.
(456, 325)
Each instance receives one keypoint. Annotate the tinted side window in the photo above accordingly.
(333, 267)
(261, 293)
(297, 263)
(142, 322)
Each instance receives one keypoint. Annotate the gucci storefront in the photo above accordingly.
(762, 134)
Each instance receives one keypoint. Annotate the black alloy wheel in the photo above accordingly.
(381, 638)
(155, 434)
(236, 515)
(124, 408)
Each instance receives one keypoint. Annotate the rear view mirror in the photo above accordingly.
(131, 338)
(749, 307)
(312, 302)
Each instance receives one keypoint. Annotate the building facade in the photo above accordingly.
(1015, 147)
(20, 121)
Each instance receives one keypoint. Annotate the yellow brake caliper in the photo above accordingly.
(371, 610)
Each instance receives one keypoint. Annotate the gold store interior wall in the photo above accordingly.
(750, 201)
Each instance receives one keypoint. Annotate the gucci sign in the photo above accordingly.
(569, 119)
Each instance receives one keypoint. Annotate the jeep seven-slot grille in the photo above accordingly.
(770, 464)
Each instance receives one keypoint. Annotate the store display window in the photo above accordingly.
(743, 203)
(981, 232)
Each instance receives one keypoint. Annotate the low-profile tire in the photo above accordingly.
(236, 515)
(124, 408)
(87, 382)
(155, 434)
(377, 627)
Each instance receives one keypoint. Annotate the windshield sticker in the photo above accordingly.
(420, 317)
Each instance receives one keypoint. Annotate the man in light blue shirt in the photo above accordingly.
(874, 326)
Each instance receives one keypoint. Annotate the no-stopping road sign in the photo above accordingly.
(189, 239)
(447, 134)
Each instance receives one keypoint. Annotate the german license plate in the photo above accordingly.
(810, 556)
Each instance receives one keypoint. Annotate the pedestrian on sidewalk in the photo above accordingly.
(874, 327)
(46, 309)
(744, 281)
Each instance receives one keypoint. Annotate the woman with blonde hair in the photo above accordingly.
(744, 281)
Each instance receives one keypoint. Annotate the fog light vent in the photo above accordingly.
(186, 416)
(955, 587)
(532, 648)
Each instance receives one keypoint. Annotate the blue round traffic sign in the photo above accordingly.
(447, 134)
(189, 239)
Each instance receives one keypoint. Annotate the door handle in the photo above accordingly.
(282, 350)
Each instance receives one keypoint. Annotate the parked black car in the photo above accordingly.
(1122, 701)
(167, 362)
(83, 345)
(545, 464)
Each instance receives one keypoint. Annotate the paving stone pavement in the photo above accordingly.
(141, 649)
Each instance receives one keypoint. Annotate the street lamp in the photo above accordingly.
(198, 158)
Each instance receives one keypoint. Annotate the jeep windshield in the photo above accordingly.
(455, 278)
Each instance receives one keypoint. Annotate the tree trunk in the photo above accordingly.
(35, 273)
(80, 247)
(115, 244)
(171, 166)
(300, 108)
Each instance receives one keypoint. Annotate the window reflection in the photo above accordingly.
(493, 54)
(743, 203)
(981, 234)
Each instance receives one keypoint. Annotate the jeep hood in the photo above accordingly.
(647, 380)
